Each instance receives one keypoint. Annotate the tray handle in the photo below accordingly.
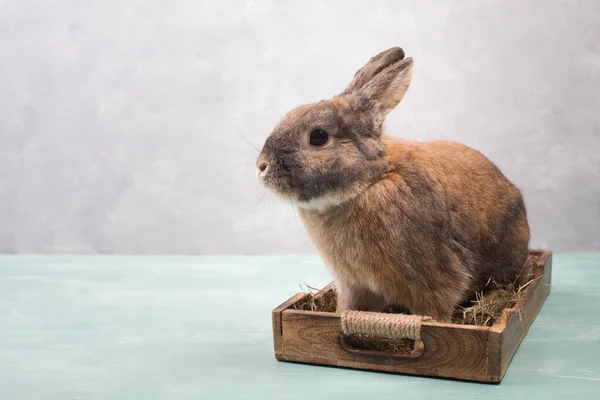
(394, 326)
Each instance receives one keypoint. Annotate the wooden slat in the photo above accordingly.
(276, 319)
(449, 351)
(520, 319)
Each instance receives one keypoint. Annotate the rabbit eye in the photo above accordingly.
(318, 137)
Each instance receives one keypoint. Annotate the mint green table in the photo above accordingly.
(147, 327)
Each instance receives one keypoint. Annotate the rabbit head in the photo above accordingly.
(323, 154)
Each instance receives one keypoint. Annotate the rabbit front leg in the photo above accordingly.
(439, 308)
(352, 297)
(440, 314)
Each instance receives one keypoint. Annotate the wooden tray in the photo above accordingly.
(466, 352)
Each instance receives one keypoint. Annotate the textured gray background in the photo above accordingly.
(125, 125)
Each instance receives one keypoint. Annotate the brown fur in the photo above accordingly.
(424, 225)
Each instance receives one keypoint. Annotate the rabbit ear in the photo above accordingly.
(389, 86)
(373, 67)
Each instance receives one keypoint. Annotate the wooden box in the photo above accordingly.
(466, 352)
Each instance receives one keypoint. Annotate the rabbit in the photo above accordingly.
(420, 224)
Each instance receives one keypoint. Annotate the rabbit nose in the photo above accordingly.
(262, 166)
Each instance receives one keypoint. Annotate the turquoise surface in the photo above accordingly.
(159, 327)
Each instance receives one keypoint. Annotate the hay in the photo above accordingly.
(317, 300)
(485, 308)
(375, 343)
(488, 305)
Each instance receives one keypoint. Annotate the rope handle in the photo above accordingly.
(395, 326)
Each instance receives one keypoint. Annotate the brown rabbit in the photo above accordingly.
(423, 225)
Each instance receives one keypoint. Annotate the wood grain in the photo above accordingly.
(467, 352)
(449, 350)
(520, 318)
(276, 320)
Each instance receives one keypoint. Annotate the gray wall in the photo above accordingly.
(126, 126)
